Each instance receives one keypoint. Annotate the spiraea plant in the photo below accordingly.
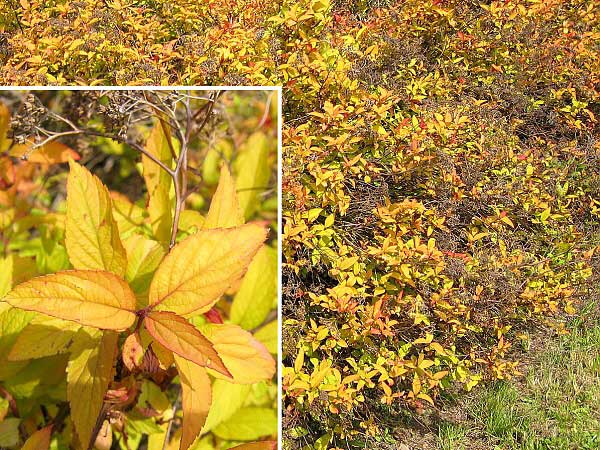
(138, 324)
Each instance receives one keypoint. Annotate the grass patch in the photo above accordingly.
(555, 406)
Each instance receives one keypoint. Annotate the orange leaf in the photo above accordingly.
(183, 339)
(196, 399)
(247, 360)
(40, 440)
(89, 297)
(51, 153)
(133, 352)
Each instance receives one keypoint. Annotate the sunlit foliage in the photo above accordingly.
(440, 175)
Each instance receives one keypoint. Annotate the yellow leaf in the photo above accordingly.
(40, 440)
(213, 261)
(88, 297)
(258, 291)
(299, 362)
(425, 397)
(252, 171)
(224, 211)
(89, 373)
(416, 384)
(196, 399)
(183, 339)
(92, 236)
(191, 221)
(159, 182)
(143, 257)
(44, 336)
(127, 215)
(246, 358)
(261, 445)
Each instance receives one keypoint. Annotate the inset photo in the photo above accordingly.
(139, 269)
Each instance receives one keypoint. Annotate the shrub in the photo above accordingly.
(440, 193)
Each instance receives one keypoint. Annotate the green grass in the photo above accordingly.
(555, 407)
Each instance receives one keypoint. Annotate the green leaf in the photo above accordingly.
(38, 377)
(252, 171)
(258, 290)
(248, 424)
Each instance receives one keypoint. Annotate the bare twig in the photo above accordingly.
(170, 426)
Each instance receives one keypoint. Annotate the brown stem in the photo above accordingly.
(12, 404)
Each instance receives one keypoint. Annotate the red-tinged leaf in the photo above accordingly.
(213, 316)
(89, 297)
(183, 339)
(133, 352)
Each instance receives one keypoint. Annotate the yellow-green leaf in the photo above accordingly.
(143, 257)
(218, 153)
(9, 432)
(224, 211)
(268, 336)
(88, 297)
(89, 373)
(92, 236)
(200, 269)
(159, 182)
(227, 398)
(44, 336)
(246, 358)
(258, 290)
(252, 171)
(248, 424)
(12, 321)
(183, 339)
(128, 215)
(40, 440)
(196, 399)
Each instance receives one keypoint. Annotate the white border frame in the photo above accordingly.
(279, 91)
